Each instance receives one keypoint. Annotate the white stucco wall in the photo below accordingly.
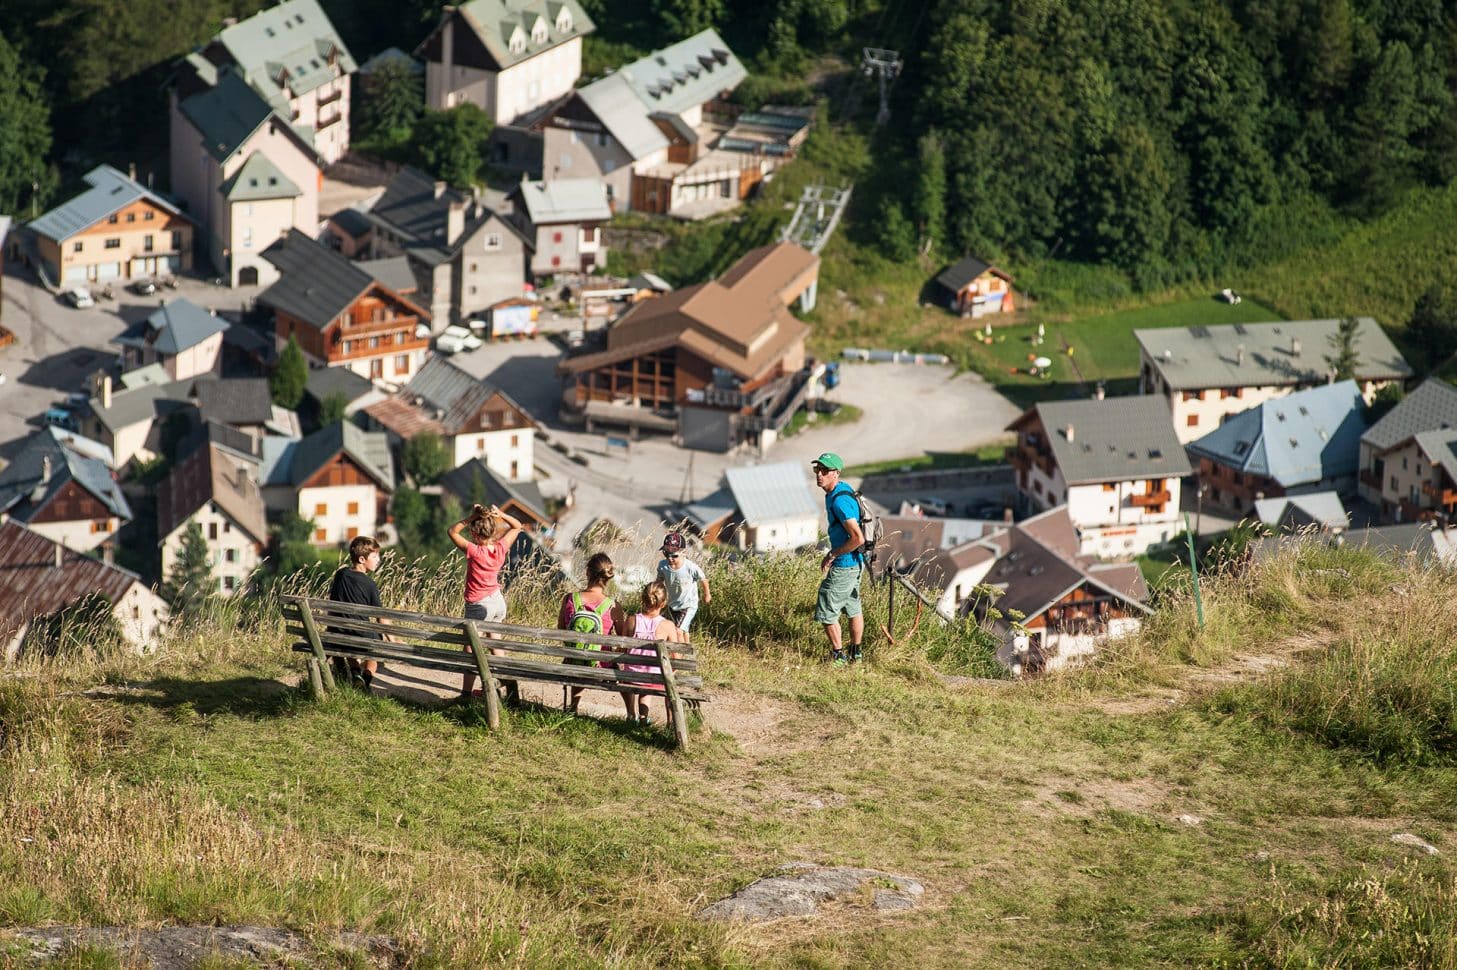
(392, 370)
(76, 534)
(499, 451)
(336, 520)
(142, 616)
(202, 358)
(231, 541)
(784, 535)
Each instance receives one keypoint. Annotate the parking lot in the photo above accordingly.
(57, 346)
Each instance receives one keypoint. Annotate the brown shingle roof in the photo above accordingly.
(31, 584)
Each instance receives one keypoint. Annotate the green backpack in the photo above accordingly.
(586, 619)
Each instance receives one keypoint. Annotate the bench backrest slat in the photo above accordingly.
(322, 608)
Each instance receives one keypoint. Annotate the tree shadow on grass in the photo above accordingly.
(250, 697)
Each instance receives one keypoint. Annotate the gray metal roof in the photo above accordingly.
(1432, 406)
(226, 114)
(294, 37)
(962, 272)
(317, 284)
(142, 376)
(353, 221)
(494, 21)
(1295, 440)
(23, 493)
(173, 327)
(773, 493)
(617, 106)
(709, 509)
(565, 200)
(413, 208)
(475, 481)
(394, 272)
(259, 179)
(133, 405)
(110, 191)
(1263, 354)
(1441, 448)
(1294, 512)
(231, 400)
(1117, 439)
(685, 74)
(458, 394)
(327, 381)
(287, 462)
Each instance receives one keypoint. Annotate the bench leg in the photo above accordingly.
(488, 681)
(316, 679)
(670, 689)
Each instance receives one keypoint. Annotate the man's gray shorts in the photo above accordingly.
(839, 591)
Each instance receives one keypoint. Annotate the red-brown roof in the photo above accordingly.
(33, 584)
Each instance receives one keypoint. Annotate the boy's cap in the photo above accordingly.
(673, 542)
(831, 461)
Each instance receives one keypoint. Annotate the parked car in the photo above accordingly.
(454, 339)
(930, 505)
(142, 287)
(61, 418)
(79, 297)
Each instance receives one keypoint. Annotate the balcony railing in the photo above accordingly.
(1443, 496)
(1368, 477)
(331, 98)
(325, 120)
(1149, 499)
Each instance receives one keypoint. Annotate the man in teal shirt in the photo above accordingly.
(842, 565)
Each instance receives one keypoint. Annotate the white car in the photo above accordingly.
(79, 297)
(454, 339)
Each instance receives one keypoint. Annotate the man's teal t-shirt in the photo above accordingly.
(841, 507)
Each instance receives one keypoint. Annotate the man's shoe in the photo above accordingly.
(855, 655)
(837, 658)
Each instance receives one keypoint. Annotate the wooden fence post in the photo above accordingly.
(670, 687)
(493, 700)
(306, 611)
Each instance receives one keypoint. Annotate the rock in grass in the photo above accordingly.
(801, 887)
(182, 947)
(1406, 838)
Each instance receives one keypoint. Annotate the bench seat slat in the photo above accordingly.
(502, 668)
(686, 665)
(350, 625)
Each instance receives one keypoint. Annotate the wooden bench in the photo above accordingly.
(347, 630)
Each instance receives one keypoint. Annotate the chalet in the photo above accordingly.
(476, 482)
(1308, 441)
(720, 363)
(40, 578)
(59, 485)
(185, 339)
(778, 506)
(1116, 464)
(563, 220)
(474, 418)
(352, 392)
(340, 478)
(215, 485)
(115, 230)
(1205, 374)
(507, 57)
(946, 557)
(1409, 457)
(291, 55)
(1070, 603)
(648, 119)
(465, 256)
(975, 288)
(246, 174)
(342, 316)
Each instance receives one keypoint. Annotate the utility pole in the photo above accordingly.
(888, 65)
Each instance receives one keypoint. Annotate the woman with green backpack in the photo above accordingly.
(592, 610)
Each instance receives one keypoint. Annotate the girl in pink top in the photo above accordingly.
(490, 533)
(649, 624)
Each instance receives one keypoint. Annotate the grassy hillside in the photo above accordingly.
(201, 785)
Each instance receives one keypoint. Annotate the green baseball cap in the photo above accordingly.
(831, 461)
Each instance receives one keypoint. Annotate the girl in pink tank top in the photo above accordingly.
(648, 624)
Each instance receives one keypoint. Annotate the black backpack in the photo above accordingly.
(869, 528)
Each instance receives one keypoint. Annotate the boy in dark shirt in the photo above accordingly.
(353, 585)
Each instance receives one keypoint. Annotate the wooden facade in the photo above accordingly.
(72, 503)
(1232, 489)
(342, 470)
(377, 325)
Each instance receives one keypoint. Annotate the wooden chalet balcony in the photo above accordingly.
(1368, 477)
(331, 98)
(1025, 457)
(327, 119)
(370, 328)
(1443, 496)
(1148, 499)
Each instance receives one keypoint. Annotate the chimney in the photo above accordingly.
(1099, 391)
(106, 393)
(108, 554)
(439, 189)
(1239, 355)
(59, 552)
(454, 222)
(131, 171)
(1068, 431)
(45, 469)
(1294, 346)
(230, 22)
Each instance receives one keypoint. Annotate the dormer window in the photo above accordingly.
(538, 33)
(564, 21)
(517, 43)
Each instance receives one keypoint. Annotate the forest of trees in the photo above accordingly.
(1168, 140)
